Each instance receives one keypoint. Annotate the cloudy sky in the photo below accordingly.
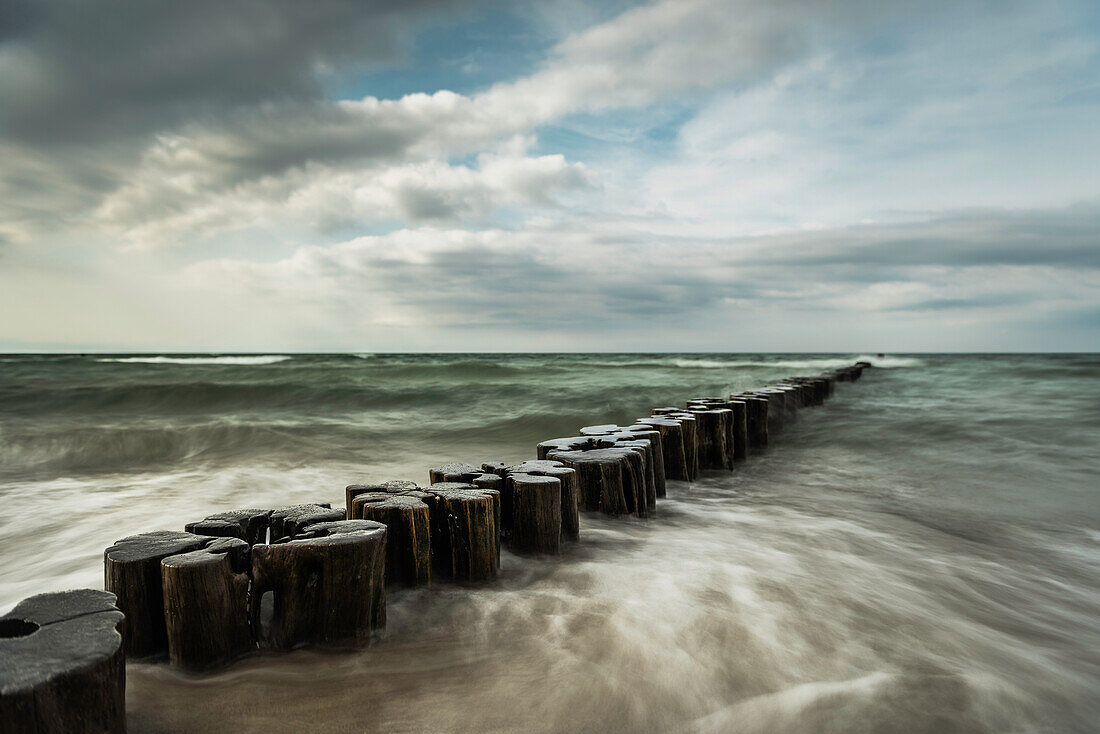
(715, 175)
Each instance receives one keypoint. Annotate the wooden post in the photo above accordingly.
(647, 499)
(62, 665)
(690, 430)
(408, 534)
(570, 492)
(465, 537)
(646, 442)
(248, 525)
(394, 486)
(791, 401)
(572, 443)
(712, 435)
(657, 454)
(328, 584)
(206, 604)
(672, 446)
(287, 521)
(777, 407)
(757, 421)
(131, 571)
(456, 471)
(740, 421)
(610, 480)
(537, 513)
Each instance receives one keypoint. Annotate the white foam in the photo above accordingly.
(888, 362)
(251, 360)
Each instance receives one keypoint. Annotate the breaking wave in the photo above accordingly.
(240, 360)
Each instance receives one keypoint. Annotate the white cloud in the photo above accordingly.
(206, 177)
(802, 119)
(190, 204)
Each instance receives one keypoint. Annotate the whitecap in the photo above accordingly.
(239, 360)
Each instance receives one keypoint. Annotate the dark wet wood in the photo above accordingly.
(408, 536)
(610, 480)
(689, 428)
(287, 521)
(488, 480)
(674, 459)
(656, 455)
(570, 493)
(638, 437)
(536, 520)
(791, 401)
(740, 425)
(714, 435)
(572, 443)
(206, 604)
(643, 449)
(249, 525)
(465, 534)
(757, 419)
(393, 486)
(131, 571)
(62, 665)
(456, 471)
(328, 585)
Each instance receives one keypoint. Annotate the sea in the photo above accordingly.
(919, 555)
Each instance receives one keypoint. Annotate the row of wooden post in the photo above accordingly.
(278, 578)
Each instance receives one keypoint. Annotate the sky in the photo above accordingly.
(428, 175)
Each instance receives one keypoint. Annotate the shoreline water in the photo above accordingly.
(916, 512)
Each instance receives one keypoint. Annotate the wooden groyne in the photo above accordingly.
(234, 583)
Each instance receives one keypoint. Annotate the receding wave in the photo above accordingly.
(241, 360)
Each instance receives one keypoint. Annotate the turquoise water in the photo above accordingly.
(922, 554)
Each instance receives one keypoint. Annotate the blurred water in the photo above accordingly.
(922, 554)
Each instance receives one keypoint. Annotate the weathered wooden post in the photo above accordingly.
(394, 486)
(638, 437)
(792, 400)
(408, 533)
(570, 493)
(206, 604)
(611, 480)
(464, 531)
(249, 525)
(536, 516)
(62, 665)
(287, 521)
(131, 571)
(712, 432)
(757, 418)
(689, 428)
(572, 443)
(672, 446)
(656, 455)
(457, 471)
(328, 584)
(777, 407)
(739, 421)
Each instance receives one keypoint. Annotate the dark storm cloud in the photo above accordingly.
(87, 70)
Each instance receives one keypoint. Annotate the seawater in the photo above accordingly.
(922, 554)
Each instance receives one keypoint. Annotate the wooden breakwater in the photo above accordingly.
(236, 582)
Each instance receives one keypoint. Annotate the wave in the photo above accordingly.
(249, 360)
(115, 448)
(889, 362)
(794, 364)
